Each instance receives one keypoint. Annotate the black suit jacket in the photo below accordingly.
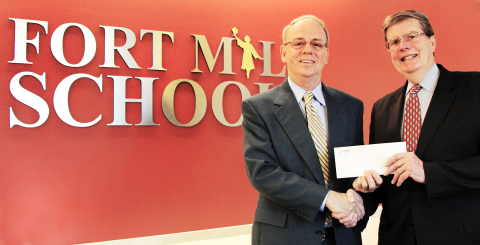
(282, 164)
(445, 210)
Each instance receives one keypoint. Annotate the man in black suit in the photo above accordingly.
(434, 195)
(290, 169)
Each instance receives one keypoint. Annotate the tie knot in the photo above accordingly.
(308, 97)
(415, 89)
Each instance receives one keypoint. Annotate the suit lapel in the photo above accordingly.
(395, 115)
(336, 118)
(291, 119)
(441, 101)
(337, 127)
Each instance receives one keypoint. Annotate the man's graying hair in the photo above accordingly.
(407, 14)
(305, 17)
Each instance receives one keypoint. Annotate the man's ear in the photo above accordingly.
(283, 53)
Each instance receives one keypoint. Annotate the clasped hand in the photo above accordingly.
(346, 207)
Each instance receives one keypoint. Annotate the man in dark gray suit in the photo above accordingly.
(433, 197)
(288, 148)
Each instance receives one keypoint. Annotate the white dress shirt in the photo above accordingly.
(428, 83)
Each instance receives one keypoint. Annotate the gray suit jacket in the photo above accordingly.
(282, 164)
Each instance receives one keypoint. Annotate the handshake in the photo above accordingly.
(348, 207)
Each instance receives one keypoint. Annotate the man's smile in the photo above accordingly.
(307, 61)
(409, 57)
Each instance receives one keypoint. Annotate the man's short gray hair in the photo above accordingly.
(305, 17)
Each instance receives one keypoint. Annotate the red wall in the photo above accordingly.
(61, 184)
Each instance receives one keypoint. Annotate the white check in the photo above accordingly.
(352, 161)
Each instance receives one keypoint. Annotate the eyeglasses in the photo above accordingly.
(316, 45)
(409, 38)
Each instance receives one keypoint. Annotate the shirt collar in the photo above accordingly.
(429, 82)
(299, 92)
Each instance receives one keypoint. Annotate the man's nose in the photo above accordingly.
(404, 44)
(308, 48)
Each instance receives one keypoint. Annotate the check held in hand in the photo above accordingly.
(366, 163)
(353, 161)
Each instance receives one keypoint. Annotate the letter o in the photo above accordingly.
(169, 108)
(217, 102)
(56, 45)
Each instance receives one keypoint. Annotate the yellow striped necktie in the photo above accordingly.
(315, 126)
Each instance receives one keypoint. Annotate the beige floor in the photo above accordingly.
(236, 235)
(370, 234)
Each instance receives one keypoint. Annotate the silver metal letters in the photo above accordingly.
(61, 95)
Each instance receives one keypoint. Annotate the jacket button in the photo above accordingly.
(412, 191)
(319, 233)
(410, 225)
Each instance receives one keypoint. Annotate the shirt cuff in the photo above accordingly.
(324, 201)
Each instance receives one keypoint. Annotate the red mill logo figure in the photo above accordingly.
(248, 52)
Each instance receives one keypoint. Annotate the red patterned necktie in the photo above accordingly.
(412, 121)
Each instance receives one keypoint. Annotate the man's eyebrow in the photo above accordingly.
(314, 39)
